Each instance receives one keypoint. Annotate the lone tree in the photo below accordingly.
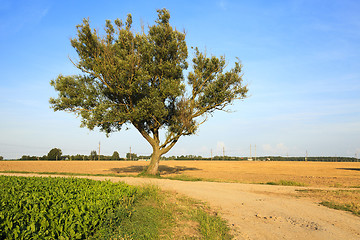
(115, 156)
(54, 154)
(138, 79)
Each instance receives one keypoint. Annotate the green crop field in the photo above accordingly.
(61, 208)
(76, 208)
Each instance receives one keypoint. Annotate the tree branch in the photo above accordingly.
(144, 134)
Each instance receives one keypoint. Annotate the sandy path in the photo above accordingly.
(259, 212)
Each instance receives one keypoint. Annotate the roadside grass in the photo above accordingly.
(195, 220)
(345, 207)
(171, 216)
(346, 200)
(287, 183)
(148, 213)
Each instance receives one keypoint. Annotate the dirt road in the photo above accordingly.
(261, 211)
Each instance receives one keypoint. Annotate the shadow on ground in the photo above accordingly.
(163, 169)
(352, 169)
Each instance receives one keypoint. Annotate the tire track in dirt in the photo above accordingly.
(259, 211)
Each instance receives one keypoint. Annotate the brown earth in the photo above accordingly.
(253, 211)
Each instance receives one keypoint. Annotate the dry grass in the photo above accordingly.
(348, 200)
(320, 174)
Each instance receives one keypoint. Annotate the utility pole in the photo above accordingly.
(211, 154)
(306, 156)
(255, 152)
(99, 151)
(223, 153)
(250, 153)
(130, 153)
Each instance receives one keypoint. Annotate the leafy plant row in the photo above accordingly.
(61, 208)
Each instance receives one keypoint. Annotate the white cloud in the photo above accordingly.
(223, 4)
(278, 149)
(204, 150)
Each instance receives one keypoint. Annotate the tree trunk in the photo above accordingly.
(153, 168)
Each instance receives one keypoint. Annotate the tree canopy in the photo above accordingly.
(115, 156)
(138, 78)
(54, 154)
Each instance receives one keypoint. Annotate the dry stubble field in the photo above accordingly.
(319, 174)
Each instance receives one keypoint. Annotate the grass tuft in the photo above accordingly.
(345, 207)
(184, 177)
(212, 226)
(146, 175)
(347, 200)
(286, 183)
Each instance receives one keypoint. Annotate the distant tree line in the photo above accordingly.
(194, 157)
(55, 154)
(310, 159)
(263, 158)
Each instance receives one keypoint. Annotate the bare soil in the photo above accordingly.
(253, 211)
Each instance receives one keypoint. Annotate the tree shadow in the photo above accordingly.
(352, 169)
(163, 169)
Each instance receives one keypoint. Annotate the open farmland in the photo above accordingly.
(326, 174)
(252, 211)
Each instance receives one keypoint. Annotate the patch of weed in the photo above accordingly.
(184, 177)
(287, 183)
(345, 207)
(212, 226)
(347, 200)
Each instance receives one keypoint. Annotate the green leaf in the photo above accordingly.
(32, 226)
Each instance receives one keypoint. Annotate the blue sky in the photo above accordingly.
(301, 62)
